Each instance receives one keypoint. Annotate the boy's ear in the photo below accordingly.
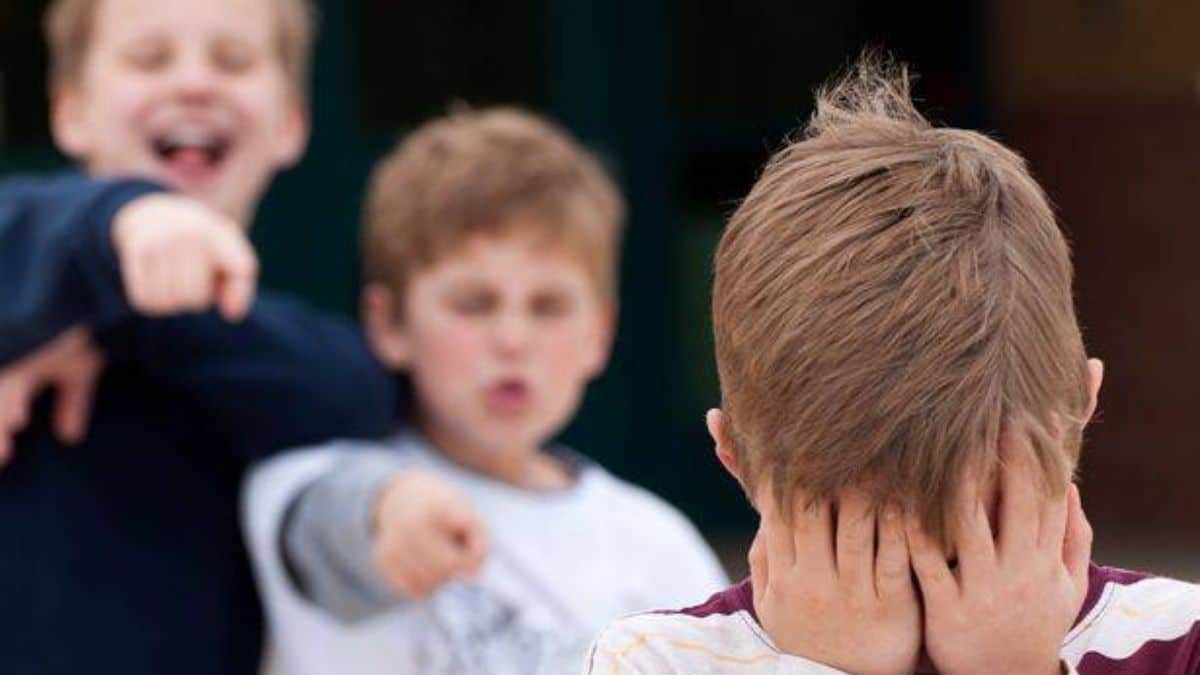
(600, 348)
(67, 125)
(715, 421)
(384, 329)
(1095, 379)
(293, 137)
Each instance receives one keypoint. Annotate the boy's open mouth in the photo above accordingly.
(509, 396)
(191, 154)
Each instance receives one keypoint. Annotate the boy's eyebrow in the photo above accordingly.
(141, 42)
(554, 287)
(464, 280)
(235, 39)
(457, 291)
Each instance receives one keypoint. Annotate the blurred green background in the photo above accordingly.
(685, 99)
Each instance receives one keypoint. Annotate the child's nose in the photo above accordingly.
(512, 332)
(194, 78)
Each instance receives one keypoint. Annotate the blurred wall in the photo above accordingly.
(1101, 97)
(685, 100)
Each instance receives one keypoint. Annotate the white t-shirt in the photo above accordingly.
(1131, 623)
(562, 565)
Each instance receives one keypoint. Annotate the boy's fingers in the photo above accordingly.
(938, 585)
(892, 568)
(176, 294)
(70, 341)
(12, 410)
(473, 563)
(1077, 543)
(475, 550)
(451, 551)
(411, 573)
(16, 393)
(153, 287)
(1053, 527)
(70, 413)
(477, 540)
(74, 404)
(236, 295)
(855, 537)
(237, 268)
(1019, 498)
(974, 541)
(463, 531)
(196, 284)
(458, 515)
(132, 276)
(414, 581)
(445, 558)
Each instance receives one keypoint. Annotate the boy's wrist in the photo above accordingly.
(97, 252)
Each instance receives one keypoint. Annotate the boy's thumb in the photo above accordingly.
(237, 270)
(470, 538)
(475, 550)
(74, 404)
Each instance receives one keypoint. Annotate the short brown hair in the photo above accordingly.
(889, 298)
(487, 171)
(69, 23)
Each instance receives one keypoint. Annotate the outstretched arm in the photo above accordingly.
(374, 532)
(78, 253)
(285, 376)
(57, 263)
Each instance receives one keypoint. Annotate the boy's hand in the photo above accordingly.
(69, 363)
(177, 255)
(1012, 599)
(426, 534)
(835, 597)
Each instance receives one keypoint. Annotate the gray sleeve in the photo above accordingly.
(327, 536)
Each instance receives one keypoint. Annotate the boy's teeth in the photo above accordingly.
(191, 137)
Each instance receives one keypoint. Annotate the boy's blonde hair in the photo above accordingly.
(489, 171)
(888, 300)
(69, 23)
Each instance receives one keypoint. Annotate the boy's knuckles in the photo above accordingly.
(815, 599)
(984, 603)
(857, 545)
(894, 573)
(144, 257)
(863, 605)
(776, 595)
(937, 574)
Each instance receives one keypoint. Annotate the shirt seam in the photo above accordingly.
(1093, 616)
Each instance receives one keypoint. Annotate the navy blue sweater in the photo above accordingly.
(122, 555)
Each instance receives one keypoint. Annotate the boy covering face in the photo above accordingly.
(904, 390)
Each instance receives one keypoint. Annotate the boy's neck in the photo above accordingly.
(527, 468)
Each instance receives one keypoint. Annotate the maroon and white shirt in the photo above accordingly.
(1130, 624)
